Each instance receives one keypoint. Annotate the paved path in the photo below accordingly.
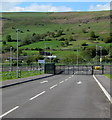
(61, 96)
(104, 81)
(7, 83)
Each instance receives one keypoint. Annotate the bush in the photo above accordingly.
(108, 40)
(84, 44)
(8, 38)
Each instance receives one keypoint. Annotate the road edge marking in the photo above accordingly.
(37, 95)
(1, 116)
(103, 89)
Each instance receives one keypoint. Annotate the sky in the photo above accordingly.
(54, 6)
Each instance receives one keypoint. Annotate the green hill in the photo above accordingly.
(58, 31)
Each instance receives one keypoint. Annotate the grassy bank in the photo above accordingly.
(22, 74)
(109, 75)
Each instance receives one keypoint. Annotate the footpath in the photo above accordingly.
(104, 81)
(8, 83)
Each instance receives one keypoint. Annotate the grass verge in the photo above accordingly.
(22, 74)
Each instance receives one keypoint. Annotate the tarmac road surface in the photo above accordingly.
(60, 96)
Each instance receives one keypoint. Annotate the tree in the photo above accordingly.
(26, 40)
(8, 38)
(108, 40)
(66, 42)
(29, 60)
(92, 36)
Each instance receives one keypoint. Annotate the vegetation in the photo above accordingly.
(61, 34)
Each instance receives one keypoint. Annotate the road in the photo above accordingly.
(60, 96)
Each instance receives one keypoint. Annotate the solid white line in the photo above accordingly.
(61, 82)
(53, 86)
(37, 95)
(103, 89)
(43, 82)
(9, 111)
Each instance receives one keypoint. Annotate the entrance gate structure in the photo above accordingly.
(73, 69)
(79, 69)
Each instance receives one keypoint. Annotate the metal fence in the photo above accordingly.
(82, 69)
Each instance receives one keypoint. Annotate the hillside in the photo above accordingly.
(58, 31)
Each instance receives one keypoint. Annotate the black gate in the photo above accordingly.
(79, 69)
(49, 68)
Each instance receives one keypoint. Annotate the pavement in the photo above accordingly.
(105, 81)
(8, 83)
(59, 96)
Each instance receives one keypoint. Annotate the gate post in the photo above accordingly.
(92, 70)
(102, 69)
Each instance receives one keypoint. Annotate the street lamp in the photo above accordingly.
(17, 30)
(10, 58)
(77, 56)
(96, 54)
(100, 55)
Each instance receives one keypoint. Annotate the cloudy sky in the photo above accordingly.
(54, 6)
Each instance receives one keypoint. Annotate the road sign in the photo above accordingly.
(41, 61)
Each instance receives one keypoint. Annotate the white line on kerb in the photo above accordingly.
(37, 95)
(53, 86)
(9, 111)
(61, 82)
(104, 90)
(43, 82)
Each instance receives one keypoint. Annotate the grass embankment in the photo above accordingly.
(22, 74)
(109, 75)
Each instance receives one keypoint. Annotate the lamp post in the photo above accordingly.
(50, 54)
(100, 55)
(17, 30)
(96, 54)
(10, 58)
(77, 56)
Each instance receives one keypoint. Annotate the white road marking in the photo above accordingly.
(37, 95)
(43, 82)
(72, 75)
(53, 86)
(69, 77)
(9, 111)
(79, 82)
(61, 82)
(66, 79)
(103, 89)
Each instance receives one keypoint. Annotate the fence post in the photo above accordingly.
(92, 70)
(102, 69)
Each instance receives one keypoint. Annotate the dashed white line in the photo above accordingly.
(61, 82)
(103, 89)
(37, 95)
(69, 77)
(53, 86)
(9, 111)
(66, 79)
(43, 82)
